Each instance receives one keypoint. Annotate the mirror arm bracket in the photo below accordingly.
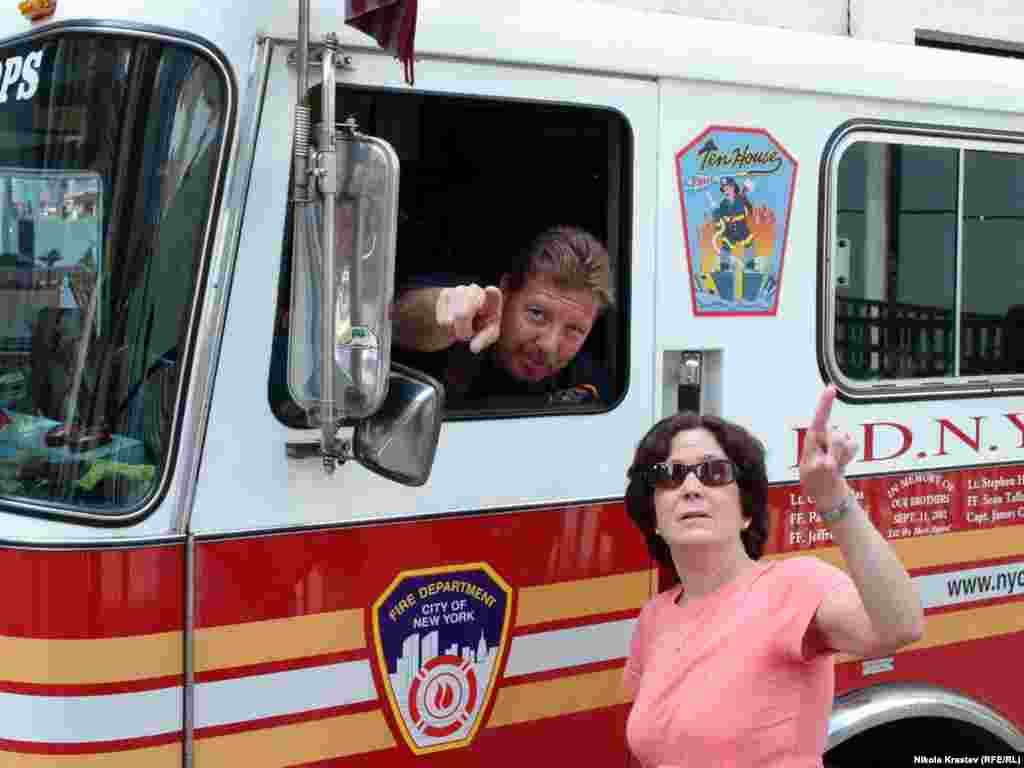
(325, 172)
(339, 453)
(327, 182)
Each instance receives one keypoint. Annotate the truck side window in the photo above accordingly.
(926, 269)
(107, 185)
(480, 179)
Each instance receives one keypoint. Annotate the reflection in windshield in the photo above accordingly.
(106, 177)
(49, 236)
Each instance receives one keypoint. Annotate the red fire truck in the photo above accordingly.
(235, 532)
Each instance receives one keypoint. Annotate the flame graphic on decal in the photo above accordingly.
(443, 698)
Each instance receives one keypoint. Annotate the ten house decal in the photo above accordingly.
(441, 636)
(735, 190)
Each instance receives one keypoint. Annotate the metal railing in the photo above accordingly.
(890, 340)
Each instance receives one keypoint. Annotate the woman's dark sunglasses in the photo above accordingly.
(711, 472)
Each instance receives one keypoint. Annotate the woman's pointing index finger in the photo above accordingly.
(823, 410)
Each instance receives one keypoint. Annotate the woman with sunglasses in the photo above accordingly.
(734, 665)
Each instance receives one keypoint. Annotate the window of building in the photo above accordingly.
(480, 179)
(925, 280)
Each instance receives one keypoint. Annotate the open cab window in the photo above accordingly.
(480, 179)
(109, 149)
(924, 277)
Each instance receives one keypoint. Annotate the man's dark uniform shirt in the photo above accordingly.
(471, 381)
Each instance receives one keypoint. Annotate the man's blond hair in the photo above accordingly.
(574, 259)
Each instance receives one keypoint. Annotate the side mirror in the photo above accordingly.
(340, 329)
(399, 440)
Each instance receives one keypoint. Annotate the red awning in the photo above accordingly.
(392, 23)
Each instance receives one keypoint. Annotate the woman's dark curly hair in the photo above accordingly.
(745, 451)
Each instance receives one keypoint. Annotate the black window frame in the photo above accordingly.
(218, 63)
(288, 413)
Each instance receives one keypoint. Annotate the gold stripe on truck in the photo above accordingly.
(583, 598)
(167, 756)
(47, 661)
(298, 743)
(262, 642)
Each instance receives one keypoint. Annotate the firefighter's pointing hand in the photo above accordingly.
(471, 313)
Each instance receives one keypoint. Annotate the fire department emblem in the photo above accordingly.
(441, 636)
(736, 191)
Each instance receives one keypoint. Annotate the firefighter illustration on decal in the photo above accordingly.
(441, 636)
(735, 191)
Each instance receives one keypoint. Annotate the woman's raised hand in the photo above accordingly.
(826, 453)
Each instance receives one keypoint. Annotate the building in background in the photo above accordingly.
(995, 26)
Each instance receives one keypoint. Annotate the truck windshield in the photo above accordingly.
(109, 153)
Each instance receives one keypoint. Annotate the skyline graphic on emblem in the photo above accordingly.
(439, 692)
(441, 635)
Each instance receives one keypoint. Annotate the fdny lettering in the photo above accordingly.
(435, 620)
(459, 586)
(447, 611)
(946, 433)
(440, 587)
(20, 76)
(402, 606)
